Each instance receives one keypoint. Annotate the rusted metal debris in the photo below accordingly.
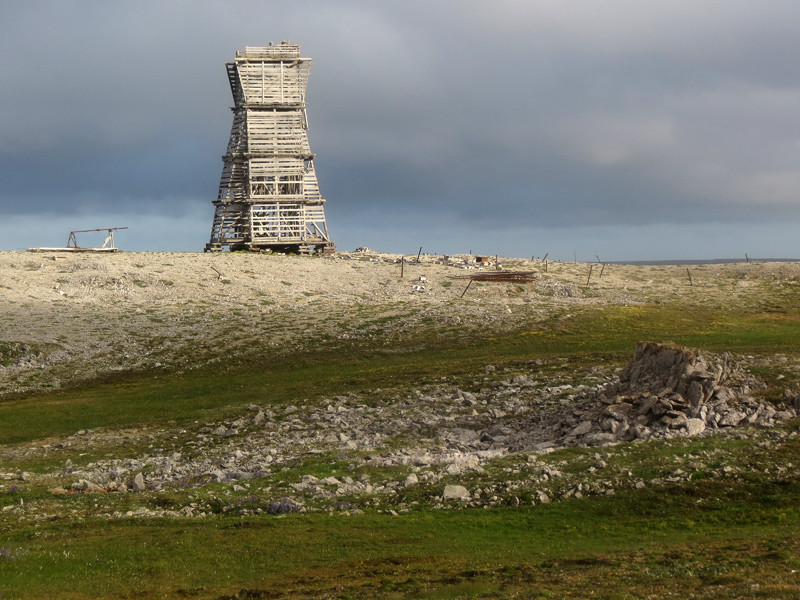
(502, 276)
(499, 277)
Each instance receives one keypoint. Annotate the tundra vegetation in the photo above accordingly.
(309, 427)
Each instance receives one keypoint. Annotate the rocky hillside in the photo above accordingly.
(484, 443)
(68, 318)
(481, 440)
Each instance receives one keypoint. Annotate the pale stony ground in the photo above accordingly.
(69, 317)
(65, 318)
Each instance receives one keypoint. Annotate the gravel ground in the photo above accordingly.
(65, 318)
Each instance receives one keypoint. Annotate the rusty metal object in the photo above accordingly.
(501, 277)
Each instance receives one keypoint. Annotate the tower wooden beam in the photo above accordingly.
(268, 194)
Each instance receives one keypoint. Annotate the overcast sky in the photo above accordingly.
(628, 129)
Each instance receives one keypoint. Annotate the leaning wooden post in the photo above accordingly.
(466, 288)
(601, 270)
(419, 253)
(690, 276)
(590, 274)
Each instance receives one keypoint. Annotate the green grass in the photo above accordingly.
(557, 548)
(606, 335)
(709, 537)
(10, 352)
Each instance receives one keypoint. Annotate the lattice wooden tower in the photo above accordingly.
(268, 193)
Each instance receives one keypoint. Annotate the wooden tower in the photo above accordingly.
(268, 193)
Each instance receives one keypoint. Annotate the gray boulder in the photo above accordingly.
(732, 418)
(455, 492)
(583, 428)
(84, 485)
(138, 483)
(695, 426)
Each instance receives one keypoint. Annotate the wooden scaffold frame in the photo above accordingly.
(268, 193)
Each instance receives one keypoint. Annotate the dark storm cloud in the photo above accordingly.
(613, 112)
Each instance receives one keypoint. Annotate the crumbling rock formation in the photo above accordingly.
(668, 388)
(669, 369)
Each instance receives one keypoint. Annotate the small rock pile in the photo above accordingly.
(669, 390)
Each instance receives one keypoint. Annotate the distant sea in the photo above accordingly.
(712, 261)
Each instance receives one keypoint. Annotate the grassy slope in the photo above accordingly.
(610, 333)
(620, 547)
(714, 539)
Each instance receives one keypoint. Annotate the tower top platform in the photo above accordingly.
(273, 52)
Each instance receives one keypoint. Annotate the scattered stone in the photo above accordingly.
(455, 492)
(665, 391)
(138, 483)
(695, 426)
(412, 479)
(83, 485)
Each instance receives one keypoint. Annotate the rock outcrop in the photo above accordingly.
(672, 390)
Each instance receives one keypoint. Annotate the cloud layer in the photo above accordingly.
(474, 118)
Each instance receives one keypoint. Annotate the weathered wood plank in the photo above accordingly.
(268, 192)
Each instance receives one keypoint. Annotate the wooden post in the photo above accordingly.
(690, 276)
(590, 274)
(747, 258)
(601, 270)
(598, 258)
(496, 263)
(466, 288)
(545, 266)
(545, 257)
(402, 266)
(419, 253)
